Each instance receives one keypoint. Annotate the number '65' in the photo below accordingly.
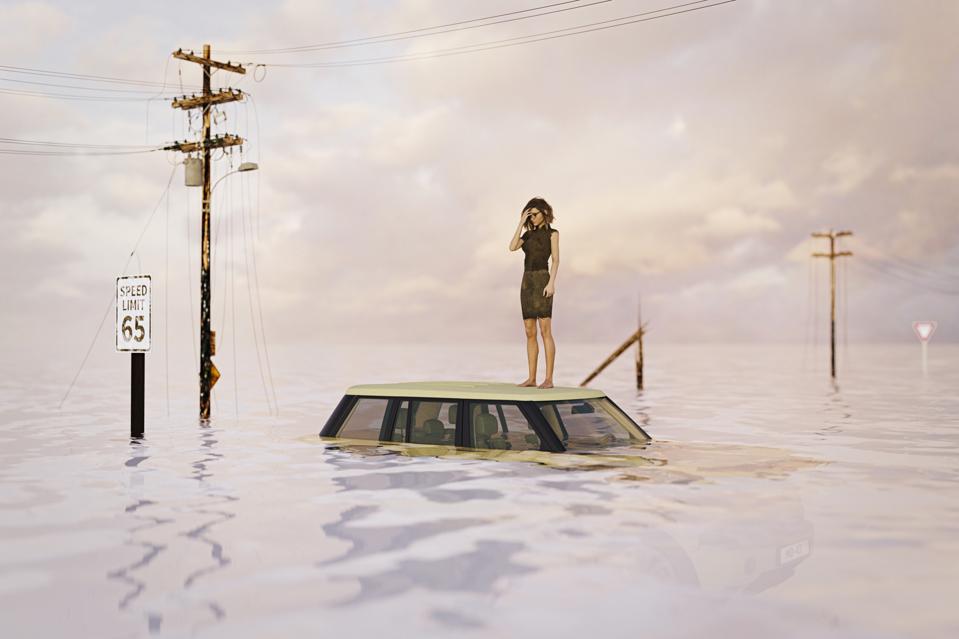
(128, 331)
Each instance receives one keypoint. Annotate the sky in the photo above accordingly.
(687, 160)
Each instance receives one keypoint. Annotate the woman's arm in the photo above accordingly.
(554, 263)
(516, 242)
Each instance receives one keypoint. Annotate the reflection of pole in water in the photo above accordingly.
(924, 331)
(200, 533)
(129, 574)
(125, 573)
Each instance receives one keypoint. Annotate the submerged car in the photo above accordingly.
(483, 415)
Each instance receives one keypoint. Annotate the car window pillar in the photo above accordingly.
(333, 424)
(461, 437)
(389, 420)
(548, 440)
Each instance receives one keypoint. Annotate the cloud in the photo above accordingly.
(848, 169)
(731, 222)
(910, 173)
(758, 281)
(26, 28)
(678, 126)
(679, 162)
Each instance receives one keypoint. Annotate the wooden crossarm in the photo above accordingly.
(215, 143)
(191, 57)
(220, 97)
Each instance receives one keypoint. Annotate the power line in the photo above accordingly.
(912, 270)
(80, 88)
(255, 234)
(602, 25)
(76, 144)
(82, 76)
(435, 30)
(913, 267)
(913, 281)
(67, 153)
(70, 96)
(136, 245)
(45, 148)
(400, 33)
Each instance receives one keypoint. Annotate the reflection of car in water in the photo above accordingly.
(738, 551)
(483, 415)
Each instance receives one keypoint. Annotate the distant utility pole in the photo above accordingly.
(639, 345)
(208, 372)
(832, 255)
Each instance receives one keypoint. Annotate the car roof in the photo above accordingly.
(476, 390)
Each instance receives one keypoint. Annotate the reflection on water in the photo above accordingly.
(212, 510)
(761, 508)
(476, 571)
(202, 472)
(371, 540)
(735, 551)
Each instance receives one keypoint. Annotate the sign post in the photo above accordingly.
(133, 335)
(924, 331)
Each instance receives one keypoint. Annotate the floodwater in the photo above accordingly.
(770, 504)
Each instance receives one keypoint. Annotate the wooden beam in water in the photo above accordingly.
(619, 351)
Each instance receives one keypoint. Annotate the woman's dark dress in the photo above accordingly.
(537, 246)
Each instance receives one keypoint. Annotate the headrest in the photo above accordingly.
(433, 427)
(401, 418)
(485, 425)
(452, 414)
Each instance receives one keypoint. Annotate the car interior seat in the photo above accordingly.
(484, 427)
(431, 432)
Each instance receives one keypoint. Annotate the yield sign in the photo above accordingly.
(924, 330)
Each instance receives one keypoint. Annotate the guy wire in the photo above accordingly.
(110, 306)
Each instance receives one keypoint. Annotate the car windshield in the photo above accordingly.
(590, 423)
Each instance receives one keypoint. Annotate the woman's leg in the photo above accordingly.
(546, 328)
(532, 351)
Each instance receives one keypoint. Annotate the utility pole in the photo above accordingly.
(832, 255)
(639, 346)
(208, 372)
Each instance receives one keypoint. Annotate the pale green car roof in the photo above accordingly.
(475, 390)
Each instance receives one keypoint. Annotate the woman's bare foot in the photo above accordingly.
(528, 382)
(547, 383)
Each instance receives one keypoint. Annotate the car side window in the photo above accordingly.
(501, 426)
(591, 423)
(365, 419)
(434, 422)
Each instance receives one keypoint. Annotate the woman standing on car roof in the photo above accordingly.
(540, 242)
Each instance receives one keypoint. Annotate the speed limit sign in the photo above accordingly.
(133, 313)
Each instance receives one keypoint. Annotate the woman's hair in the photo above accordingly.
(542, 205)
